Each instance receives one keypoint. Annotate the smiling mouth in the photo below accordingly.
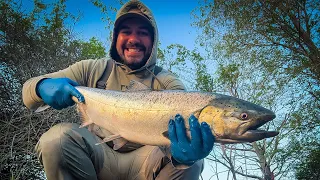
(133, 49)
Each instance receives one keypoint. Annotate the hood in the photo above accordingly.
(135, 8)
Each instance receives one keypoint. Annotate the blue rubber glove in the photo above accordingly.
(186, 151)
(58, 92)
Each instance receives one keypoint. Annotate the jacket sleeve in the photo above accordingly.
(78, 72)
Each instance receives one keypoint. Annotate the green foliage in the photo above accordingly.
(268, 53)
(8, 86)
(310, 168)
(108, 11)
(92, 49)
(36, 40)
(173, 58)
(204, 80)
(286, 32)
(33, 42)
(228, 76)
(173, 55)
(178, 59)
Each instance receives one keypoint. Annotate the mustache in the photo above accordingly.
(135, 45)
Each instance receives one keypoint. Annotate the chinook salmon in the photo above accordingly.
(141, 116)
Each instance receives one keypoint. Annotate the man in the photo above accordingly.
(69, 152)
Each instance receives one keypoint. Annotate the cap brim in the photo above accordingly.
(130, 15)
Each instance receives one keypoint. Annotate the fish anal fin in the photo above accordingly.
(112, 137)
(118, 141)
(137, 86)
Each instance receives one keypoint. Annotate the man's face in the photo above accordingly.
(134, 42)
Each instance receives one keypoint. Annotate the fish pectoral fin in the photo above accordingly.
(86, 120)
(42, 108)
(166, 134)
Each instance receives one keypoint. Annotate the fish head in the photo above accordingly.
(233, 120)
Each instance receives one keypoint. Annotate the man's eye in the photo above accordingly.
(144, 33)
(125, 32)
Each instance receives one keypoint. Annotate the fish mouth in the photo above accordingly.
(249, 131)
(255, 135)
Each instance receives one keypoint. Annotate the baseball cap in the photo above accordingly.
(133, 13)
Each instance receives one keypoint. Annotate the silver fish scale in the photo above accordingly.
(142, 116)
(146, 99)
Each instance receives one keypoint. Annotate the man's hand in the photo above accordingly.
(185, 151)
(58, 92)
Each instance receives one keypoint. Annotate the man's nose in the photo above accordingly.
(133, 38)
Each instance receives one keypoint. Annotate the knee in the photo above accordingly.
(51, 141)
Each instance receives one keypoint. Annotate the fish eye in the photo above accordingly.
(244, 116)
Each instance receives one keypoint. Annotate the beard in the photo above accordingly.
(135, 66)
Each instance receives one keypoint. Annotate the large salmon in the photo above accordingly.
(141, 116)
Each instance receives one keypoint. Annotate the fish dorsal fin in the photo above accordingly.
(137, 86)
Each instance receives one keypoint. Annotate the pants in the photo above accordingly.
(69, 152)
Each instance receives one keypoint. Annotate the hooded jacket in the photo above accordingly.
(88, 72)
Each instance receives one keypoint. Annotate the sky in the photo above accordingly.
(173, 18)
